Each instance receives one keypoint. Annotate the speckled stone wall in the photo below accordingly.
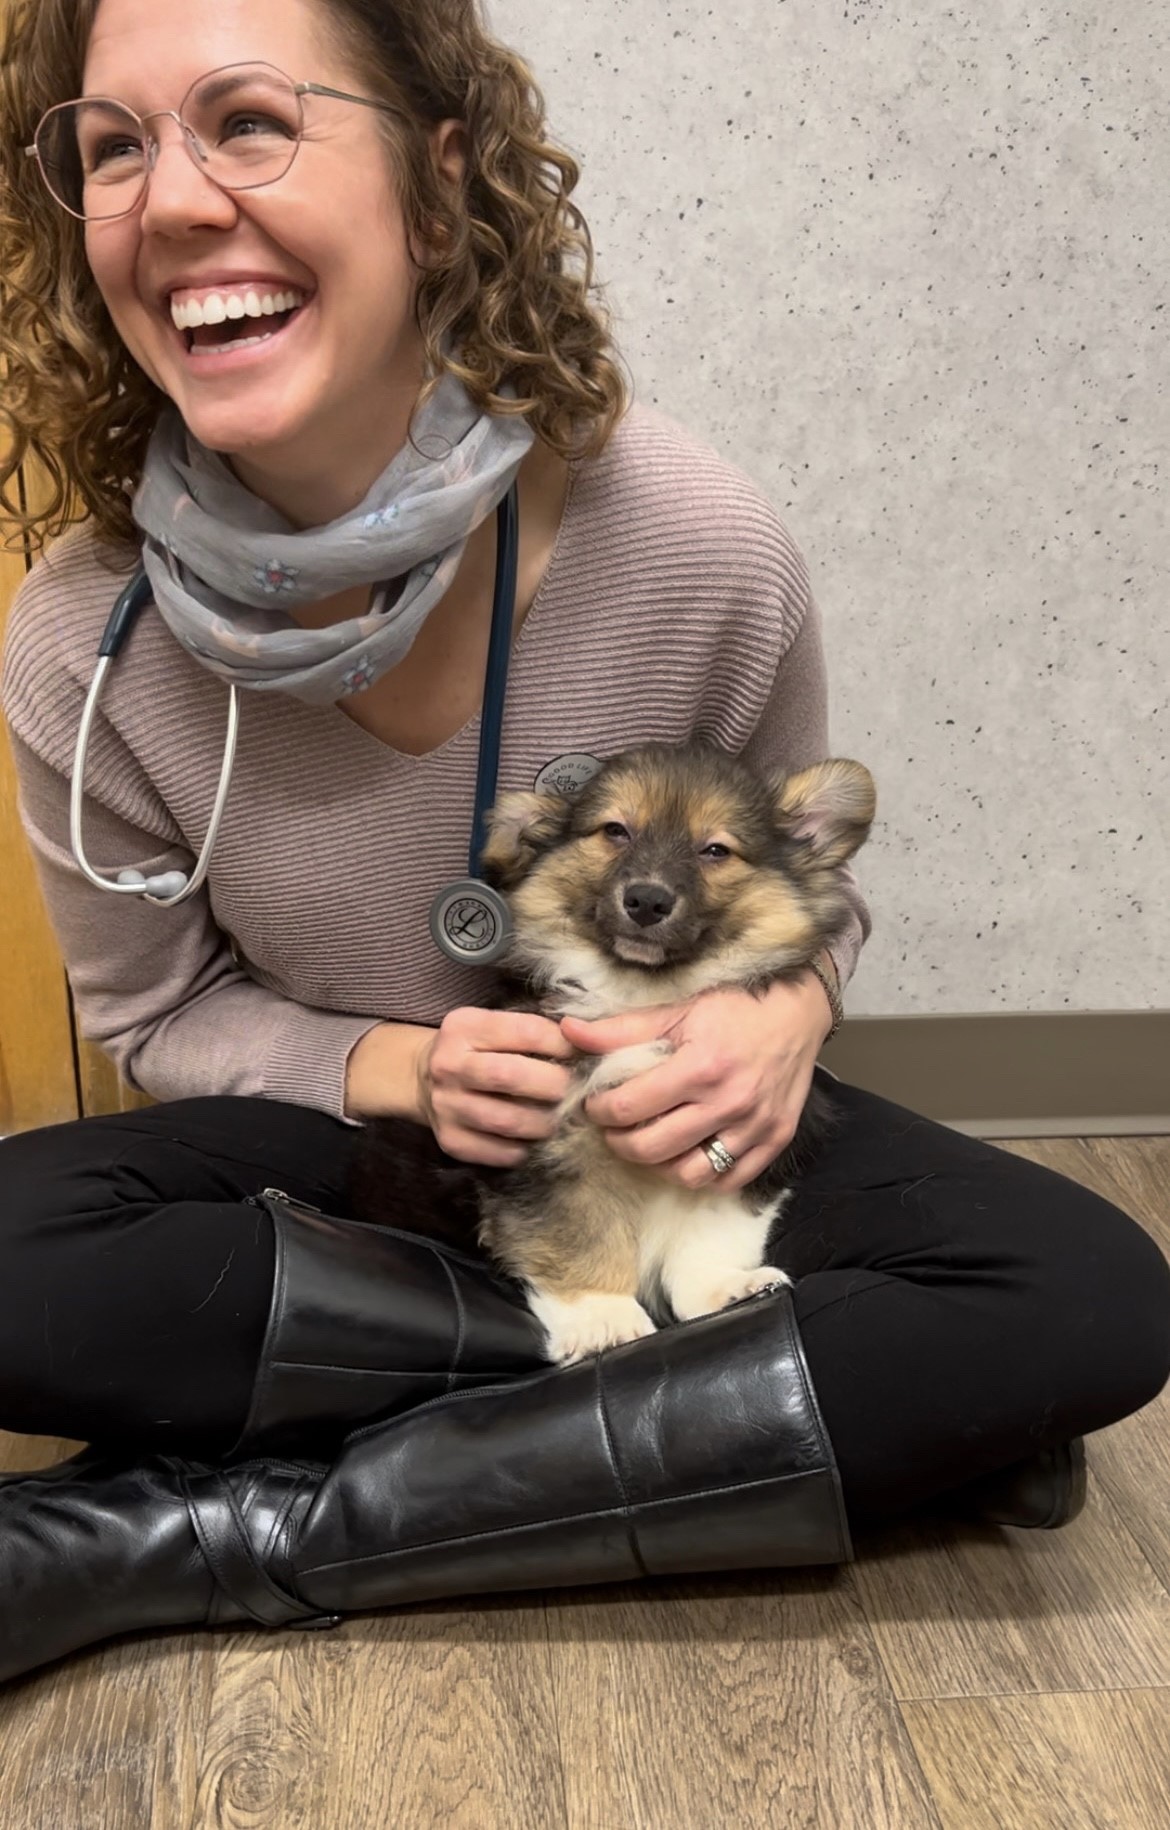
(909, 266)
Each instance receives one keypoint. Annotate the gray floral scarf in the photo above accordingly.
(226, 568)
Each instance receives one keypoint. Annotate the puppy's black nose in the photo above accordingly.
(648, 903)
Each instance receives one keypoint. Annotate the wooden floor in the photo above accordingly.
(966, 1678)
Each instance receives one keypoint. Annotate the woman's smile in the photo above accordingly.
(215, 341)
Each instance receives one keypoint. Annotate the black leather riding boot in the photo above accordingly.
(700, 1448)
(1042, 1493)
(368, 1321)
(349, 1298)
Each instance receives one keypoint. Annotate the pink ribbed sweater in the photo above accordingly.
(675, 605)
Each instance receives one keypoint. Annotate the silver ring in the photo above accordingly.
(719, 1156)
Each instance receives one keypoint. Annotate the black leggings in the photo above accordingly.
(960, 1307)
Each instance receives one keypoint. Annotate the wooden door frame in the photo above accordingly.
(48, 1071)
(39, 1083)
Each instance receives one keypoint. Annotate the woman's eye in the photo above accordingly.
(715, 851)
(114, 149)
(252, 125)
(615, 831)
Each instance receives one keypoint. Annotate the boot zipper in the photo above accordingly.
(278, 1194)
(439, 1247)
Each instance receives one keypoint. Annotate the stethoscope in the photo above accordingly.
(469, 919)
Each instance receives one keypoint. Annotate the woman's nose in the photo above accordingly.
(179, 193)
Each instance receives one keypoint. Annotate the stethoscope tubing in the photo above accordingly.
(132, 882)
(173, 887)
(495, 685)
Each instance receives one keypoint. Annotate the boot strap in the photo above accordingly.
(220, 1527)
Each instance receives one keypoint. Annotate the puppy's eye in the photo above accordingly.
(715, 851)
(613, 829)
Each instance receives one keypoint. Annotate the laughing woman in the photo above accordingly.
(293, 298)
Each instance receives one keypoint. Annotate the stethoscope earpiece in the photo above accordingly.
(168, 887)
(159, 889)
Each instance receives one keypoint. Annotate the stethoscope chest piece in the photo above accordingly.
(470, 923)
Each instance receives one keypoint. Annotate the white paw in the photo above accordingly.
(579, 1326)
(724, 1287)
(615, 1069)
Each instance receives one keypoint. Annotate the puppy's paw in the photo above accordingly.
(582, 1325)
(724, 1286)
(622, 1064)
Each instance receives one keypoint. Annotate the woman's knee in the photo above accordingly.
(59, 1175)
(1109, 1288)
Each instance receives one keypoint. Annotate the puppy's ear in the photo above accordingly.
(827, 809)
(521, 828)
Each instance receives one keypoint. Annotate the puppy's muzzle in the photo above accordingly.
(647, 904)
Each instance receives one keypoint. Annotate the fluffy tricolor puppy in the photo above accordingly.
(672, 872)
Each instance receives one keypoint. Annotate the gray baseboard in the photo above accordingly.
(1052, 1074)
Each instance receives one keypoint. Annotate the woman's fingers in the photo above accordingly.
(508, 1032)
(674, 1147)
(663, 1139)
(649, 1095)
(495, 1131)
(516, 1077)
(514, 1119)
(482, 1147)
(493, 1081)
(693, 1169)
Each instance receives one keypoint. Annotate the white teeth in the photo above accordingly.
(218, 306)
(216, 349)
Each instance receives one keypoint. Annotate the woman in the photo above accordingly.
(308, 286)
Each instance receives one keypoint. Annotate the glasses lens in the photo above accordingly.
(243, 124)
(247, 119)
(92, 156)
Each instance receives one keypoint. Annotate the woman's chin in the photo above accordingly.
(236, 429)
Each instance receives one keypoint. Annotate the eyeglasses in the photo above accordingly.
(241, 126)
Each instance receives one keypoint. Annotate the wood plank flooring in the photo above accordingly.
(957, 1678)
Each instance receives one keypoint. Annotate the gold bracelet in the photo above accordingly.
(833, 995)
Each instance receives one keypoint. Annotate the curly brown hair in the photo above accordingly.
(506, 299)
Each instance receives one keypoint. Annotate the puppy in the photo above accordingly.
(672, 872)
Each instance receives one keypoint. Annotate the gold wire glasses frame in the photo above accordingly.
(96, 144)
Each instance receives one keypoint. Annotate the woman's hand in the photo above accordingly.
(741, 1071)
(489, 1082)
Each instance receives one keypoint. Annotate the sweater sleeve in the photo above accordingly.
(791, 733)
(158, 989)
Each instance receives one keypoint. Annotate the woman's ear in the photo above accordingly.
(521, 828)
(450, 151)
(828, 810)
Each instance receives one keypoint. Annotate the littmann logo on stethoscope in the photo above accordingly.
(469, 925)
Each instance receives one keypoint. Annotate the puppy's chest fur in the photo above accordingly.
(576, 1213)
